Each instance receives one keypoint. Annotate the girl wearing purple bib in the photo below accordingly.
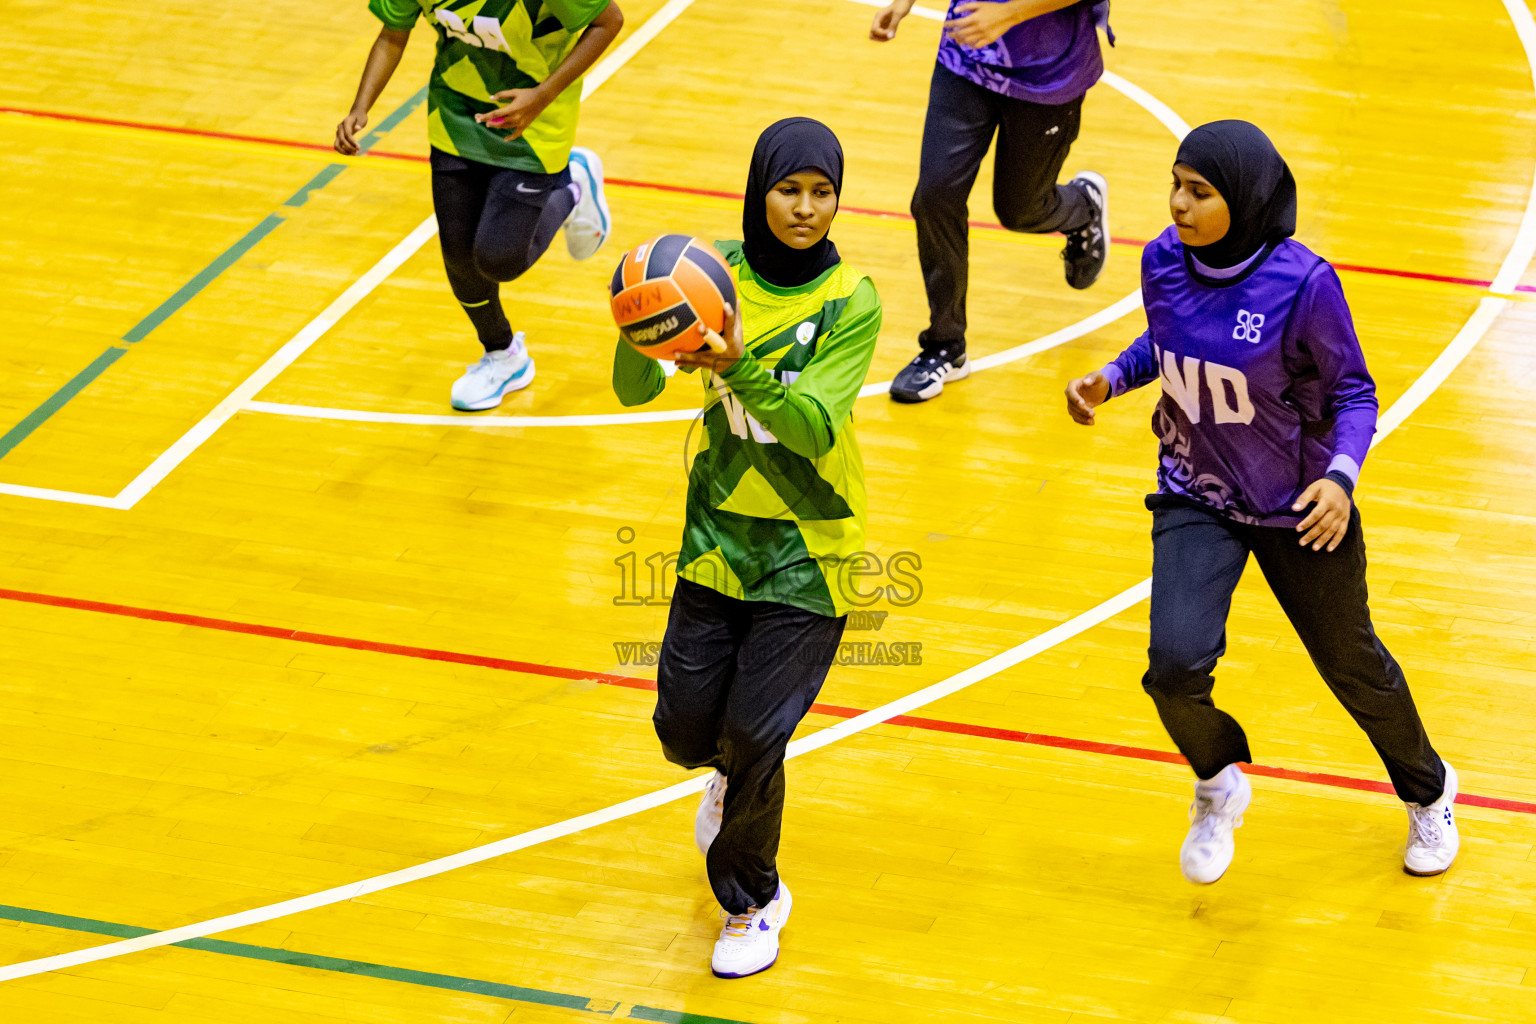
(1266, 415)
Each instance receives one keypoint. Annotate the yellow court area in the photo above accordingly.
(274, 619)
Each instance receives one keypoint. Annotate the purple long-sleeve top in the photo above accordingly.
(1265, 388)
(1050, 59)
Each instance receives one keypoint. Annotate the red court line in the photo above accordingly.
(640, 683)
(661, 187)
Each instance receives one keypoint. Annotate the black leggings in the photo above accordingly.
(734, 680)
(494, 223)
(1197, 558)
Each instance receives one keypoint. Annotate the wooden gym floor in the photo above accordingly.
(275, 621)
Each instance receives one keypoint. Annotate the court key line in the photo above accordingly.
(1164, 114)
(226, 410)
(199, 281)
(243, 398)
(1514, 265)
(642, 683)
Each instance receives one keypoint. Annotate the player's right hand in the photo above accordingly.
(1083, 394)
(883, 28)
(346, 132)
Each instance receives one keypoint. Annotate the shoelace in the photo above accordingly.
(1208, 825)
(1424, 823)
(930, 364)
(737, 926)
(1080, 241)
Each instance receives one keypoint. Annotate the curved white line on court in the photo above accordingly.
(407, 247)
(1510, 271)
(1087, 325)
(1164, 114)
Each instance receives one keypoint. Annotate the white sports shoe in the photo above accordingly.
(1432, 835)
(587, 227)
(706, 823)
(749, 942)
(482, 387)
(1217, 810)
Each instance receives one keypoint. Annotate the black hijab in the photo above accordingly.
(787, 147)
(1243, 165)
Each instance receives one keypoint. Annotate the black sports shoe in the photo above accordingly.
(924, 377)
(1088, 247)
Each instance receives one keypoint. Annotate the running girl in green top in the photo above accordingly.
(775, 516)
(501, 117)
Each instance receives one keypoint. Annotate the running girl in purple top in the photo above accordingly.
(1016, 69)
(1266, 416)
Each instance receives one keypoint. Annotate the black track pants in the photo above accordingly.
(1197, 559)
(734, 680)
(1032, 145)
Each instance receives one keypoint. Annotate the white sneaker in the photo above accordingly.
(749, 942)
(1432, 835)
(509, 369)
(1217, 810)
(706, 823)
(587, 227)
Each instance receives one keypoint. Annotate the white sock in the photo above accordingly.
(1223, 782)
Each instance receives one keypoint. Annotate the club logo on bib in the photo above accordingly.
(805, 332)
(1248, 326)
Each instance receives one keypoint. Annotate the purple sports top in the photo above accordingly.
(1051, 59)
(1265, 388)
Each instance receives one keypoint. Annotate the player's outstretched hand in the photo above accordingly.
(721, 350)
(1084, 394)
(1329, 519)
(521, 107)
(883, 29)
(347, 132)
(980, 23)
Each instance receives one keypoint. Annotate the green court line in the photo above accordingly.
(56, 401)
(202, 279)
(361, 968)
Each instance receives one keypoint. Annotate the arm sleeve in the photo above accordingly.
(1132, 368)
(806, 415)
(1326, 331)
(575, 15)
(399, 15)
(636, 378)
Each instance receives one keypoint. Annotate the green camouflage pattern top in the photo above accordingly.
(485, 47)
(776, 506)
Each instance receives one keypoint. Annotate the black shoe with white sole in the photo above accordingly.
(1088, 247)
(924, 377)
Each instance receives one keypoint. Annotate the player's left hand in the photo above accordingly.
(1329, 519)
(721, 350)
(980, 23)
(521, 107)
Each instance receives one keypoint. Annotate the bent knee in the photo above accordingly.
(932, 198)
(1172, 671)
(501, 264)
(1027, 218)
(685, 743)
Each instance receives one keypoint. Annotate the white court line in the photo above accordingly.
(235, 402)
(1513, 267)
(1072, 332)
